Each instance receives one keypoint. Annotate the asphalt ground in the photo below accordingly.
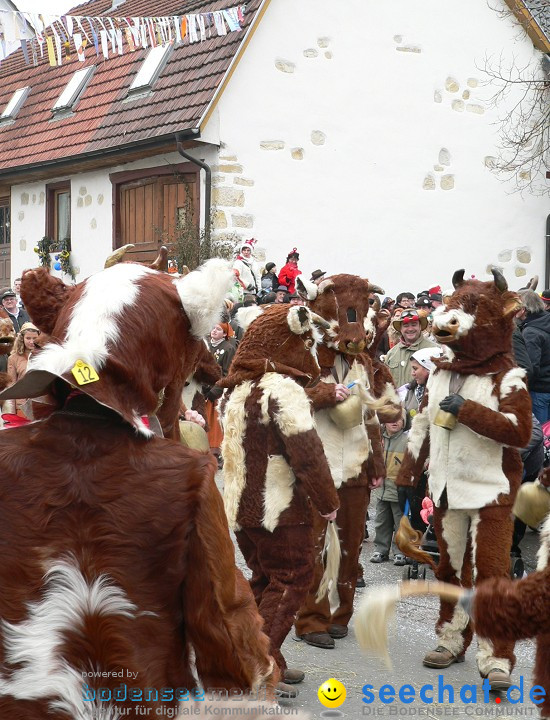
(410, 638)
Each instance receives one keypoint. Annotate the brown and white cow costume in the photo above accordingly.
(117, 568)
(276, 477)
(475, 468)
(354, 454)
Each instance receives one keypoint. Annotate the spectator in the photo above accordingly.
(222, 347)
(248, 272)
(405, 300)
(295, 299)
(281, 296)
(17, 315)
(290, 271)
(17, 361)
(317, 276)
(545, 296)
(421, 366)
(410, 326)
(535, 328)
(388, 512)
(17, 291)
(269, 278)
(436, 299)
(388, 304)
(423, 305)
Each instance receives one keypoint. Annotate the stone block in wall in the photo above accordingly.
(409, 48)
(447, 182)
(520, 272)
(505, 256)
(272, 145)
(523, 255)
(429, 183)
(297, 153)
(227, 168)
(219, 221)
(285, 65)
(229, 158)
(242, 221)
(243, 181)
(451, 85)
(318, 137)
(458, 105)
(444, 157)
(437, 96)
(311, 53)
(474, 108)
(227, 197)
(218, 180)
(25, 198)
(323, 42)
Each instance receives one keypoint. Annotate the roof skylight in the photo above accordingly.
(150, 70)
(14, 105)
(74, 88)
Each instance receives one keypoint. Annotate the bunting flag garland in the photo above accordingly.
(55, 37)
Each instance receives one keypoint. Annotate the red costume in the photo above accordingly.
(117, 569)
(290, 271)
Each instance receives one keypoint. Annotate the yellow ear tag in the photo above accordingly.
(84, 373)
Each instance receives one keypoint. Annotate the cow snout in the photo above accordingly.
(447, 333)
(352, 347)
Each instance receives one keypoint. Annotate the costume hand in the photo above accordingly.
(195, 417)
(330, 516)
(452, 404)
(341, 392)
(375, 482)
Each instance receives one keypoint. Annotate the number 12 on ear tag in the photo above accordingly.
(84, 373)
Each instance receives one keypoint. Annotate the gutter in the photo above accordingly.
(195, 134)
(547, 256)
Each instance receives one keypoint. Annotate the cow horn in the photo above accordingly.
(500, 280)
(161, 262)
(318, 320)
(376, 289)
(116, 256)
(533, 282)
(458, 278)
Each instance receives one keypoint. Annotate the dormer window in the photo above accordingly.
(73, 90)
(150, 70)
(14, 105)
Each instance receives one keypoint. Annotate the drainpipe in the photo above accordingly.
(547, 263)
(189, 135)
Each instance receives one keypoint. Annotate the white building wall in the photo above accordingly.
(359, 132)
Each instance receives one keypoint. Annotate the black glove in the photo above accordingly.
(452, 404)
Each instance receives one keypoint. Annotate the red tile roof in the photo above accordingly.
(102, 119)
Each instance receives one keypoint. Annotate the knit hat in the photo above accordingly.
(424, 357)
(228, 330)
(29, 326)
(269, 266)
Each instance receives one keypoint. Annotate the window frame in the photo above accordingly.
(53, 191)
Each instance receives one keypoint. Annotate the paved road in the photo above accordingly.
(412, 636)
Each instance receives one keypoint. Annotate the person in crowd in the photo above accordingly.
(281, 296)
(248, 272)
(394, 335)
(405, 300)
(410, 326)
(17, 291)
(295, 299)
(421, 366)
(535, 328)
(290, 271)
(269, 278)
(223, 347)
(436, 297)
(388, 304)
(236, 293)
(423, 305)
(545, 297)
(317, 276)
(388, 512)
(17, 315)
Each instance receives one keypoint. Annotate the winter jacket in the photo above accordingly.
(394, 449)
(521, 355)
(288, 276)
(536, 333)
(398, 359)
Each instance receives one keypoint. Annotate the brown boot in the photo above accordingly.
(286, 691)
(317, 639)
(291, 676)
(441, 658)
(337, 631)
(499, 679)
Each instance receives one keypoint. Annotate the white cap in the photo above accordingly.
(423, 357)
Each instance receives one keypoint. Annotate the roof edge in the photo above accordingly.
(233, 64)
(529, 24)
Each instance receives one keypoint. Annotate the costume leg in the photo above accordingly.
(491, 532)
(258, 581)
(286, 557)
(383, 527)
(354, 501)
(314, 617)
(542, 671)
(451, 529)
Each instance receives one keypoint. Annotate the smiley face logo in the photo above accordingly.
(331, 693)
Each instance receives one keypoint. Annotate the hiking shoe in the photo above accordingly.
(441, 658)
(286, 691)
(337, 631)
(318, 639)
(499, 679)
(291, 676)
(360, 582)
(399, 560)
(379, 557)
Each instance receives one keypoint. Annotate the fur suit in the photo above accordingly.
(276, 475)
(475, 468)
(520, 610)
(117, 555)
(343, 300)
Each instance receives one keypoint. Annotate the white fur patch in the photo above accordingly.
(306, 289)
(232, 449)
(294, 322)
(543, 556)
(246, 315)
(279, 488)
(202, 293)
(94, 323)
(443, 317)
(418, 433)
(513, 380)
(486, 660)
(368, 325)
(450, 634)
(294, 414)
(34, 644)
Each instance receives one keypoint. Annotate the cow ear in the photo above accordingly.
(43, 296)
(511, 305)
(246, 315)
(325, 285)
(306, 290)
(299, 319)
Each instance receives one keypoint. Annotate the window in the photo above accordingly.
(150, 70)
(58, 211)
(73, 90)
(14, 105)
(4, 221)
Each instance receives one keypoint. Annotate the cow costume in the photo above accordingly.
(355, 453)
(474, 469)
(274, 465)
(117, 569)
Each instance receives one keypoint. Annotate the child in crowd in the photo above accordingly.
(388, 512)
(421, 364)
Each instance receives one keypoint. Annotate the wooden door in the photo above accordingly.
(5, 243)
